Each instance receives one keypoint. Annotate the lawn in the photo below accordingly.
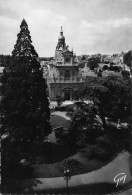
(50, 166)
(54, 170)
(47, 170)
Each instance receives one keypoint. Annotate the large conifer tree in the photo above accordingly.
(25, 105)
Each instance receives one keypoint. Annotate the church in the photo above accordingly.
(63, 72)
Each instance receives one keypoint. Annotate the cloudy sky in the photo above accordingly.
(90, 26)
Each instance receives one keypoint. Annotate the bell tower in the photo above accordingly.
(61, 41)
(61, 46)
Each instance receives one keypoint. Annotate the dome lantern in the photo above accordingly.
(61, 38)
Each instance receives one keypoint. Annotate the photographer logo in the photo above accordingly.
(121, 177)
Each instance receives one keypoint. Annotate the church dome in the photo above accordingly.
(61, 38)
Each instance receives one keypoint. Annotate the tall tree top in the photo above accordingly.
(23, 46)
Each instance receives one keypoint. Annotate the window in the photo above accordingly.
(61, 73)
(67, 75)
(73, 73)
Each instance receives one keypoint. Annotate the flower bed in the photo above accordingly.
(73, 165)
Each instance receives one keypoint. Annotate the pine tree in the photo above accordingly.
(25, 105)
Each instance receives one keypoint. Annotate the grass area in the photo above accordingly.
(89, 164)
(47, 170)
(57, 153)
(54, 170)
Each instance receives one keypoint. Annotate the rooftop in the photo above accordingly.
(1, 69)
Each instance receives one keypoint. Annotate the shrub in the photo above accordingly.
(101, 153)
(103, 141)
(72, 164)
(125, 74)
(114, 68)
(105, 67)
(87, 152)
(56, 152)
(59, 100)
(96, 152)
(93, 133)
(112, 63)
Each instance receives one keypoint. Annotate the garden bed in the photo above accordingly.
(78, 163)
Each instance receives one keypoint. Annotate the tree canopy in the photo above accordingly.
(23, 46)
(25, 105)
(93, 62)
(4, 60)
(111, 94)
(85, 126)
(128, 58)
(125, 74)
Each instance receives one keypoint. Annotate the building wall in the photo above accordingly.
(60, 81)
(61, 89)
(63, 71)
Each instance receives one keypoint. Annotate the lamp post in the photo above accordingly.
(67, 177)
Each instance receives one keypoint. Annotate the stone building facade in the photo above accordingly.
(63, 72)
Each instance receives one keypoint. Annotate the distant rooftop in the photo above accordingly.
(1, 69)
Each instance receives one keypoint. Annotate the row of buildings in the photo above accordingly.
(62, 71)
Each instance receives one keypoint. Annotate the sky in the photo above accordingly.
(89, 26)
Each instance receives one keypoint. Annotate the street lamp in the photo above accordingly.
(67, 177)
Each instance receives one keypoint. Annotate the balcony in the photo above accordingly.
(61, 80)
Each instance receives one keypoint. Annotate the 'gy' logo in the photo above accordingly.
(120, 177)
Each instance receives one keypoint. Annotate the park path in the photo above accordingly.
(51, 136)
(121, 164)
(62, 114)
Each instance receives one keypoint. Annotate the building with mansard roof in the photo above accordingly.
(63, 72)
